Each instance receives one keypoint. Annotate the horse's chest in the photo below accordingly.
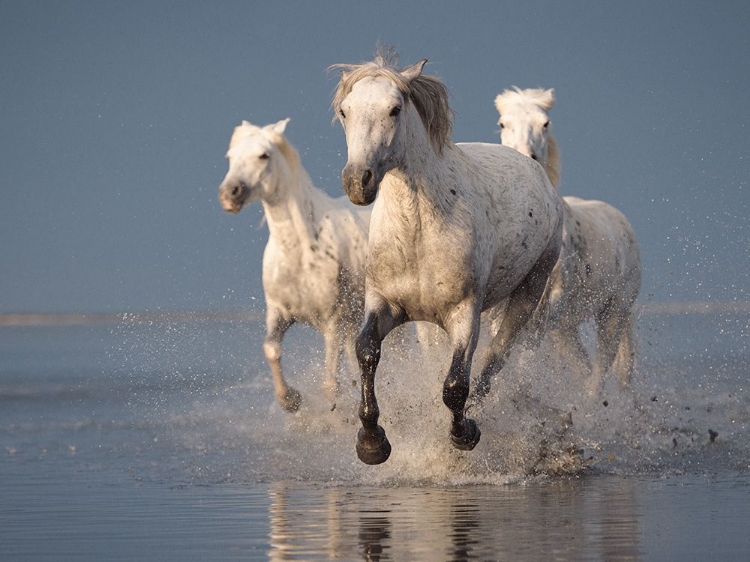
(422, 280)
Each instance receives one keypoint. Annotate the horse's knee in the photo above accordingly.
(366, 350)
(272, 350)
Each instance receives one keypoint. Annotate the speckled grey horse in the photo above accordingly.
(600, 266)
(455, 230)
(313, 264)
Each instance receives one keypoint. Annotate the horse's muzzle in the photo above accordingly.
(233, 196)
(359, 184)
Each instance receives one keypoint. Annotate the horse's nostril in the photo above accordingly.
(366, 177)
(235, 191)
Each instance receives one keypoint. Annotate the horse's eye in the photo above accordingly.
(546, 124)
(395, 111)
(264, 156)
(341, 112)
(502, 125)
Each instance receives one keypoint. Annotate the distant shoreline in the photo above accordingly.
(78, 319)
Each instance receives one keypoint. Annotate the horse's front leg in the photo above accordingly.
(463, 329)
(276, 326)
(372, 444)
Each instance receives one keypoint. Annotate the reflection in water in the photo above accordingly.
(374, 532)
(619, 523)
(565, 519)
(464, 521)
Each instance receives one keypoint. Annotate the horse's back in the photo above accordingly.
(607, 249)
(512, 180)
(523, 212)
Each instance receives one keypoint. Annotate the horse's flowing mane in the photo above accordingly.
(544, 99)
(428, 93)
(553, 167)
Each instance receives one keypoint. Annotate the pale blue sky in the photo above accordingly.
(115, 119)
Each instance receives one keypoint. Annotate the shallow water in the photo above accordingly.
(161, 441)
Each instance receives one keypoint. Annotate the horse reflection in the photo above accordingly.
(374, 534)
(561, 519)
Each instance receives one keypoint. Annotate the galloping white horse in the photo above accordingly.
(600, 273)
(314, 261)
(455, 230)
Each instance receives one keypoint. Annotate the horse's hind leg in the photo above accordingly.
(276, 327)
(625, 360)
(530, 297)
(463, 329)
(334, 349)
(610, 323)
(568, 346)
(372, 444)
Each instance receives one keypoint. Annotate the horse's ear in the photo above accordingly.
(280, 127)
(548, 98)
(414, 70)
(499, 102)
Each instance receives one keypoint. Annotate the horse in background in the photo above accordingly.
(600, 267)
(314, 261)
(455, 230)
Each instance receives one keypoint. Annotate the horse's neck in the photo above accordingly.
(552, 165)
(291, 217)
(418, 187)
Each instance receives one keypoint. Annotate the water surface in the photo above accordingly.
(160, 440)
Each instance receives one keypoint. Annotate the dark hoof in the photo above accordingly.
(291, 400)
(469, 436)
(373, 448)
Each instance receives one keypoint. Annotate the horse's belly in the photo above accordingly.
(301, 295)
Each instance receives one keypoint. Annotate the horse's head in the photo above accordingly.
(372, 102)
(254, 159)
(525, 125)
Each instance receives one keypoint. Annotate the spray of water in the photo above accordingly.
(222, 423)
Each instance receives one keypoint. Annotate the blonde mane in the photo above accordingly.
(553, 166)
(544, 99)
(428, 94)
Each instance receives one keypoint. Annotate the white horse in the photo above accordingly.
(455, 230)
(314, 261)
(600, 273)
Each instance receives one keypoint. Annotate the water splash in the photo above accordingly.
(204, 395)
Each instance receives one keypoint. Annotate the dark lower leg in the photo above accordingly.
(464, 431)
(372, 444)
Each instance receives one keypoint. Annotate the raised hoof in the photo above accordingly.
(291, 400)
(373, 448)
(469, 436)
